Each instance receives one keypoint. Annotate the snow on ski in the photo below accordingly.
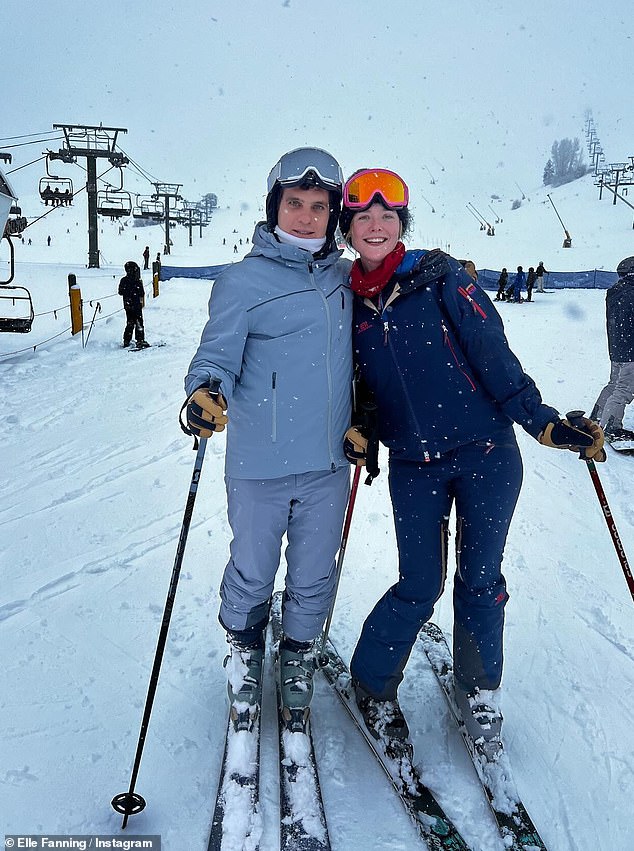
(515, 825)
(433, 825)
(302, 817)
(237, 820)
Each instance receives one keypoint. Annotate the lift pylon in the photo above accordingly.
(91, 143)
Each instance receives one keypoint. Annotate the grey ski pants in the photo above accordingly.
(609, 408)
(308, 509)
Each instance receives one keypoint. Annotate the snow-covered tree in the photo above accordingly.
(566, 158)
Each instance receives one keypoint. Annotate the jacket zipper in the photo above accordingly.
(274, 406)
(386, 328)
(447, 342)
(333, 466)
(474, 304)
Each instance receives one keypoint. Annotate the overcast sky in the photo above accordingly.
(211, 93)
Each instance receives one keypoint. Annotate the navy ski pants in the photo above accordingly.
(482, 480)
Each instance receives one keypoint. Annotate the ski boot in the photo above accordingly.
(482, 718)
(244, 666)
(297, 668)
(142, 344)
(385, 722)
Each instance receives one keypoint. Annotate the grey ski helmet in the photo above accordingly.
(305, 167)
(625, 267)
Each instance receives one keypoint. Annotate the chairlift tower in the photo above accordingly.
(91, 143)
(167, 191)
(191, 209)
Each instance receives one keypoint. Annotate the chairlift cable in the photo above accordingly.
(4, 139)
(26, 164)
(34, 142)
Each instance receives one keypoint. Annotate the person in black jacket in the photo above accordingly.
(434, 361)
(609, 408)
(131, 289)
(502, 283)
(530, 283)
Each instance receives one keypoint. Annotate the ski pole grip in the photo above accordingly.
(214, 387)
(575, 419)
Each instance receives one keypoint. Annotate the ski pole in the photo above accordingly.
(605, 508)
(342, 552)
(130, 802)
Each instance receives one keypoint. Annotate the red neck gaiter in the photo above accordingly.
(368, 284)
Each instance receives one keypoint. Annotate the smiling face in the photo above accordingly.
(374, 233)
(304, 213)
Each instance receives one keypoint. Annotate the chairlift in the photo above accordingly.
(149, 208)
(16, 305)
(115, 203)
(55, 190)
(16, 226)
(16, 309)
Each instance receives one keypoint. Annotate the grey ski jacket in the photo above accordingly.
(279, 338)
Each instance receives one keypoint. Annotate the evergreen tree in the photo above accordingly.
(549, 173)
(566, 159)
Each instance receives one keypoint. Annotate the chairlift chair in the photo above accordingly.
(16, 305)
(149, 209)
(16, 309)
(153, 210)
(115, 203)
(57, 190)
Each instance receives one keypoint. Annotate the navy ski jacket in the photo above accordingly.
(619, 308)
(434, 354)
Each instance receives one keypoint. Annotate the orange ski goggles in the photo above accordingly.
(361, 188)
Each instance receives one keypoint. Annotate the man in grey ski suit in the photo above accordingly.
(279, 340)
(609, 409)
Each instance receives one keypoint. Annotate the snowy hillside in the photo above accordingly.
(96, 475)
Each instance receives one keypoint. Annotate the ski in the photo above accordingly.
(158, 345)
(493, 768)
(622, 442)
(237, 821)
(302, 816)
(433, 825)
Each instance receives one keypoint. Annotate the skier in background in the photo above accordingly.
(540, 271)
(518, 283)
(133, 294)
(530, 283)
(502, 281)
(146, 257)
(609, 409)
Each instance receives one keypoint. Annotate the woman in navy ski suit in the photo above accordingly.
(432, 355)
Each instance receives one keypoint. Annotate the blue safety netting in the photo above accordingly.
(208, 273)
(594, 279)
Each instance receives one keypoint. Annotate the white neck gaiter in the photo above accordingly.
(312, 245)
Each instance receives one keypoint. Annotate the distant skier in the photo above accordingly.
(146, 257)
(539, 276)
(518, 283)
(133, 294)
(502, 282)
(530, 283)
(609, 408)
